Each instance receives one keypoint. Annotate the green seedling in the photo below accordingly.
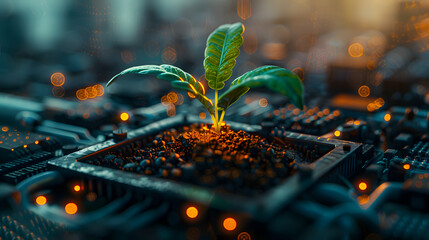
(221, 51)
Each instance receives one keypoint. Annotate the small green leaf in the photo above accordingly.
(275, 78)
(176, 76)
(222, 49)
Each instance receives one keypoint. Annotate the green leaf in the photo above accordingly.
(275, 78)
(176, 76)
(222, 49)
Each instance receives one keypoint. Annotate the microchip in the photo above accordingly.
(15, 143)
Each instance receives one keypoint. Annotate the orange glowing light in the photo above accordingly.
(244, 9)
(12, 149)
(71, 208)
(25, 146)
(356, 50)
(336, 113)
(364, 91)
(202, 115)
(5, 129)
(81, 94)
(164, 100)
(363, 186)
(76, 188)
(337, 133)
(41, 200)
(91, 92)
(406, 166)
(276, 112)
(124, 116)
(172, 97)
(58, 79)
(263, 102)
(36, 142)
(387, 117)
(229, 224)
(47, 138)
(192, 212)
(99, 90)
(357, 122)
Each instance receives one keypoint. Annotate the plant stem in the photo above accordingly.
(221, 117)
(216, 113)
(214, 121)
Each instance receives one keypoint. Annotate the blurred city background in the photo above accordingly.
(345, 50)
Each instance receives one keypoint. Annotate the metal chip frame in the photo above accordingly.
(344, 159)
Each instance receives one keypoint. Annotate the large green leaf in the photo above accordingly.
(222, 49)
(176, 76)
(275, 78)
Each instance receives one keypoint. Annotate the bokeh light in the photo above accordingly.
(58, 79)
(356, 50)
(41, 200)
(192, 212)
(71, 208)
(230, 224)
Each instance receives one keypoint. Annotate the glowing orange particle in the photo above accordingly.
(336, 113)
(229, 224)
(406, 166)
(91, 92)
(5, 129)
(387, 117)
(81, 94)
(363, 186)
(58, 79)
(202, 115)
(124, 116)
(99, 90)
(76, 188)
(356, 50)
(263, 102)
(357, 122)
(25, 146)
(172, 97)
(71, 208)
(36, 142)
(337, 133)
(364, 91)
(192, 212)
(41, 200)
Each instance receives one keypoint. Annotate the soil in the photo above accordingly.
(231, 161)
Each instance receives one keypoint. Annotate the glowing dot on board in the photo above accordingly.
(41, 200)
(337, 133)
(229, 224)
(363, 186)
(124, 116)
(71, 208)
(192, 212)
